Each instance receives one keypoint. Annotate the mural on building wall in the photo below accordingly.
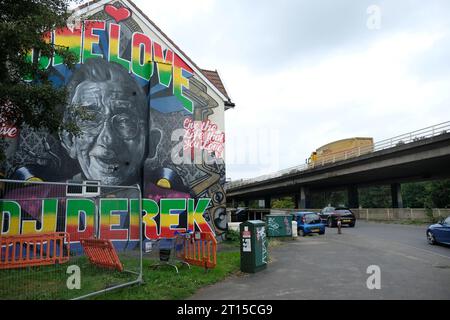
(141, 110)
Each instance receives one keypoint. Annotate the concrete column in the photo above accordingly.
(353, 197)
(267, 202)
(234, 203)
(301, 200)
(396, 193)
(297, 200)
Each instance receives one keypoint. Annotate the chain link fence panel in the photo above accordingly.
(43, 226)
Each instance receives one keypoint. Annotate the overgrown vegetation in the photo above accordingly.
(283, 203)
(375, 197)
(432, 194)
(232, 236)
(323, 199)
(27, 96)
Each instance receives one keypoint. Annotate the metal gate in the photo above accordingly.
(44, 233)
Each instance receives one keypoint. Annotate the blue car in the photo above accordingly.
(439, 233)
(308, 222)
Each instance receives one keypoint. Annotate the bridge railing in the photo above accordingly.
(421, 134)
(413, 136)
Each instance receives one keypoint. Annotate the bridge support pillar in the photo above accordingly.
(267, 202)
(353, 197)
(396, 192)
(301, 201)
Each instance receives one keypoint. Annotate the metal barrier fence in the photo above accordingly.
(200, 250)
(33, 213)
(34, 250)
(186, 249)
(167, 252)
(429, 132)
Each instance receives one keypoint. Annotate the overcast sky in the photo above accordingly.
(304, 73)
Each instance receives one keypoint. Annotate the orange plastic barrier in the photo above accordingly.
(34, 250)
(200, 249)
(102, 253)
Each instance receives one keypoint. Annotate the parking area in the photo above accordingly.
(334, 266)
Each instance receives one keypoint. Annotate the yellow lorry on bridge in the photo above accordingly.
(340, 150)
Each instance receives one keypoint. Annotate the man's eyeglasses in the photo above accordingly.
(124, 125)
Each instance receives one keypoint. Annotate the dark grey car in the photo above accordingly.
(330, 216)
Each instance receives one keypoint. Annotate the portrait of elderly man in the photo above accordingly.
(113, 121)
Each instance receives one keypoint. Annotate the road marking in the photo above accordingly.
(428, 251)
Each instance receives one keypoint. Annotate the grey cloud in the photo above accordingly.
(434, 63)
(265, 35)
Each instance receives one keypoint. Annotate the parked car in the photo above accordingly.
(439, 233)
(308, 222)
(330, 215)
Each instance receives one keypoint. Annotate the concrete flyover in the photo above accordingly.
(420, 159)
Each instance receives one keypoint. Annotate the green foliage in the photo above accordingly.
(241, 204)
(375, 197)
(434, 194)
(283, 203)
(232, 236)
(254, 204)
(323, 199)
(23, 24)
(440, 193)
(416, 195)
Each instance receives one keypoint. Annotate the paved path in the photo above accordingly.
(334, 267)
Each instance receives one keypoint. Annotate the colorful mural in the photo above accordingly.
(141, 107)
(77, 217)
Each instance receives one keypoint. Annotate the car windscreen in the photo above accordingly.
(343, 211)
(312, 218)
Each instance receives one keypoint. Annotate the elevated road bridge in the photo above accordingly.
(416, 156)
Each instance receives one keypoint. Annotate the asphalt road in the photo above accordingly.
(335, 266)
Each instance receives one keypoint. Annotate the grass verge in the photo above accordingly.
(49, 282)
(165, 284)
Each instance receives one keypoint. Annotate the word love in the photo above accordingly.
(203, 135)
(8, 131)
(102, 39)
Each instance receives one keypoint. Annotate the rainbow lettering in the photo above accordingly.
(146, 55)
(118, 219)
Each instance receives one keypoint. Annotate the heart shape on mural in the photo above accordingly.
(119, 14)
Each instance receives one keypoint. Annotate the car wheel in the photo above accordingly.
(322, 233)
(301, 233)
(430, 237)
(352, 225)
(330, 223)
